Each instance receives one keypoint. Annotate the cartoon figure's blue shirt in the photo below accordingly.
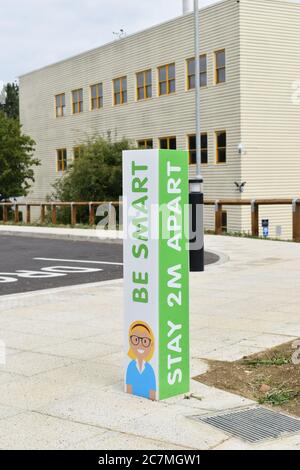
(141, 382)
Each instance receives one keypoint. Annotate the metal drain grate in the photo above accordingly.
(253, 424)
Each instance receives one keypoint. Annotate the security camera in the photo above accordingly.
(241, 149)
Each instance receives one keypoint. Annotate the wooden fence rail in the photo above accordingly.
(218, 205)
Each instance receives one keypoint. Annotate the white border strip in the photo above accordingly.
(78, 261)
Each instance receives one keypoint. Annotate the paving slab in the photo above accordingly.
(38, 432)
(64, 371)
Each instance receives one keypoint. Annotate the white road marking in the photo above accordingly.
(78, 261)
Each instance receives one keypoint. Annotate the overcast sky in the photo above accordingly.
(34, 33)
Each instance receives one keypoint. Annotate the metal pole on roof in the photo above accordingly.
(196, 198)
(197, 87)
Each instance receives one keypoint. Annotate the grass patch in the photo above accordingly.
(275, 361)
(277, 397)
(269, 377)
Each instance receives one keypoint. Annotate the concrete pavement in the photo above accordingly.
(62, 384)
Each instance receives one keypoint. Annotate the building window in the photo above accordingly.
(144, 85)
(224, 221)
(166, 79)
(77, 101)
(191, 72)
(168, 143)
(97, 96)
(145, 144)
(220, 62)
(61, 162)
(193, 151)
(60, 105)
(120, 90)
(77, 152)
(221, 144)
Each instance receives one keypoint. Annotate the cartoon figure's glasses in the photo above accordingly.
(135, 340)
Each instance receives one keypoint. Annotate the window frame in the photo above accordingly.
(188, 87)
(217, 133)
(99, 97)
(79, 149)
(121, 92)
(63, 108)
(145, 86)
(61, 163)
(168, 138)
(167, 81)
(144, 141)
(202, 148)
(79, 102)
(216, 80)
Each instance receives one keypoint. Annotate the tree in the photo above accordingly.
(96, 174)
(16, 159)
(9, 102)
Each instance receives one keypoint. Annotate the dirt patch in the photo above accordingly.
(269, 377)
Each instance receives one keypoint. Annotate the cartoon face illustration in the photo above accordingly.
(141, 342)
(140, 377)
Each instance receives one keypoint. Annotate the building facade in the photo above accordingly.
(142, 87)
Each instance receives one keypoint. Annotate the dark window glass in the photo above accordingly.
(149, 91)
(221, 147)
(172, 86)
(162, 74)
(120, 90)
(220, 59)
(163, 88)
(141, 93)
(77, 96)
(168, 143)
(164, 143)
(204, 149)
(171, 72)
(140, 80)
(192, 149)
(145, 144)
(62, 160)
(117, 86)
(144, 85)
(166, 76)
(221, 76)
(148, 77)
(203, 72)
(222, 139)
(193, 152)
(191, 67)
(60, 104)
(172, 144)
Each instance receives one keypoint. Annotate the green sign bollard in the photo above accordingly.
(156, 273)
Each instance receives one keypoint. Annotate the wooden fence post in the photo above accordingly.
(218, 218)
(296, 220)
(254, 218)
(42, 217)
(16, 213)
(91, 213)
(5, 214)
(53, 214)
(73, 213)
(28, 214)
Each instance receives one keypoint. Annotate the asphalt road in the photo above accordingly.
(30, 264)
